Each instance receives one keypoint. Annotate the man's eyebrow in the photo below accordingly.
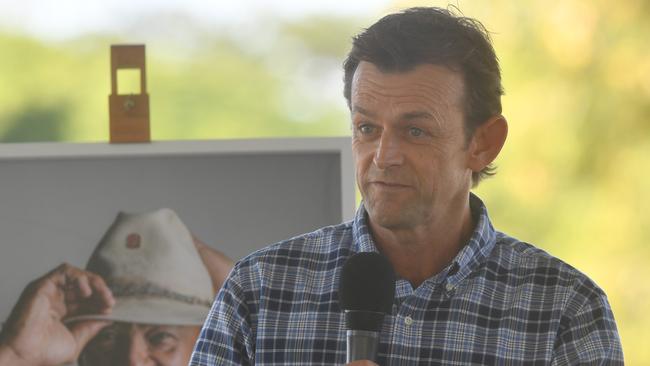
(416, 115)
(357, 109)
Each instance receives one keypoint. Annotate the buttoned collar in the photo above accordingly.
(472, 254)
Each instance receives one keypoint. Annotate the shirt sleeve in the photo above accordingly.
(587, 334)
(226, 337)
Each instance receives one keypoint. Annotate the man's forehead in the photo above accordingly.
(147, 327)
(436, 74)
(434, 83)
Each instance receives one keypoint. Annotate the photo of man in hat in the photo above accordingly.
(142, 298)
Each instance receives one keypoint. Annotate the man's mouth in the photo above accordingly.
(386, 184)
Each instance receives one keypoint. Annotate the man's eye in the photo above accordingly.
(366, 129)
(161, 339)
(416, 132)
(107, 337)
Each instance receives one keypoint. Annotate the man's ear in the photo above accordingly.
(486, 143)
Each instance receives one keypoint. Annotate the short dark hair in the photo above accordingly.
(427, 35)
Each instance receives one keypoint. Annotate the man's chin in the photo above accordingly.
(388, 218)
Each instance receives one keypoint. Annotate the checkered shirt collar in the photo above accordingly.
(477, 249)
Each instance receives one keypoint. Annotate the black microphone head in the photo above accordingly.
(367, 284)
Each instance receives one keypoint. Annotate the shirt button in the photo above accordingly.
(408, 320)
(449, 287)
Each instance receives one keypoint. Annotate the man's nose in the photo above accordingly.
(388, 152)
(139, 351)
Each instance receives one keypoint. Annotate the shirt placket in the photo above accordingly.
(407, 320)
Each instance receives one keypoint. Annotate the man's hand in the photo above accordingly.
(362, 363)
(217, 263)
(35, 333)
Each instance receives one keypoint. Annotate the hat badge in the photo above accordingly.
(133, 241)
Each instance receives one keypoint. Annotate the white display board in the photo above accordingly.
(57, 200)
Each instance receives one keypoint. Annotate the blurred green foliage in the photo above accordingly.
(573, 177)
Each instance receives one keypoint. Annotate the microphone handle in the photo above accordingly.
(361, 345)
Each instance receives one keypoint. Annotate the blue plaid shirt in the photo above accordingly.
(501, 301)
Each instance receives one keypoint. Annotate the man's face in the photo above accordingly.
(409, 144)
(139, 344)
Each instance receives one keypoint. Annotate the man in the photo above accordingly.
(147, 290)
(424, 88)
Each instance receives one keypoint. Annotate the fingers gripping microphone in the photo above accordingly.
(366, 293)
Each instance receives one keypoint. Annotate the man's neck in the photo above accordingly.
(419, 252)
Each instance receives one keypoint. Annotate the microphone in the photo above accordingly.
(366, 293)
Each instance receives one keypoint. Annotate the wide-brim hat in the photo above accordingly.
(150, 263)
